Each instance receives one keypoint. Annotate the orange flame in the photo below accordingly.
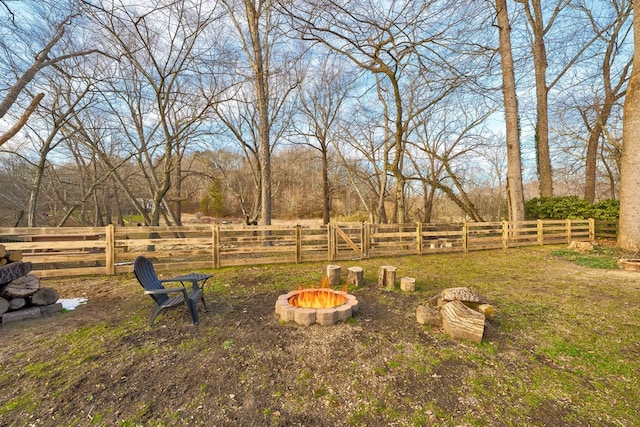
(324, 297)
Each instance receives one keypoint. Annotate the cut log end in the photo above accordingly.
(14, 256)
(429, 315)
(461, 322)
(21, 287)
(13, 271)
(4, 305)
(44, 296)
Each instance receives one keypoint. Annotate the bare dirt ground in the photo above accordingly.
(101, 365)
(239, 367)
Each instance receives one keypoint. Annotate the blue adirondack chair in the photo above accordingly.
(166, 298)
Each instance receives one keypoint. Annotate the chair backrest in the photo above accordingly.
(146, 275)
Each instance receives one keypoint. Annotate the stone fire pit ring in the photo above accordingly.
(321, 316)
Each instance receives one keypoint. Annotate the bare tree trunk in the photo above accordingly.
(35, 189)
(97, 220)
(427, 201)
(514, 163)
(591, 160)
(542, 108)
(629, 222)
(179, 178)
(326, 200)
(262, 93)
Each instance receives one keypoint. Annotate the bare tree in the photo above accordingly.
(364, 140)
(65, 105)
(263, 95)
(321, 105)
(567, 55)
(443, 145)
(613, 85)
(408, 53)
(515, 189)
(157, 100)
(45, 57)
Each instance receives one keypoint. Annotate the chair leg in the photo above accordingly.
(157, 310)
(191, 304)
(204, 303)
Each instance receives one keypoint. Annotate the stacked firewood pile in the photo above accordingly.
(21, 296)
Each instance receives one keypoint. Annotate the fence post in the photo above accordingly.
(592, 229)
(215, 245)
(298, 244)
(540, 232)
(569, 225)
(505, 235)
(419, 238)
(330, 242)
(109, 250)
(366, 240)
(465, 236)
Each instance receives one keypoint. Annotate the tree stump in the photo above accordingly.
(355, 276)
(581, 246)
(459, 321)
(408, 284)
(333, 275)
(44, 296)
(387, 277)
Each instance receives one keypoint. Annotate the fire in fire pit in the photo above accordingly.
(324, 306)
(317, 298)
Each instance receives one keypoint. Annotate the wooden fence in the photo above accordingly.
(74, 251)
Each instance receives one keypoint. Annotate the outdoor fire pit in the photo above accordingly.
(324, 306)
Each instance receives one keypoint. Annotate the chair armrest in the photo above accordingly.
(164, 291)
(197, 280)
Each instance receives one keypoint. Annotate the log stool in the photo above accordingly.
(387, 277)
(333, 275)
(355, 276)
(408, 284)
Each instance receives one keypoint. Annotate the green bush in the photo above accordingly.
(571, 207)
(606, 210)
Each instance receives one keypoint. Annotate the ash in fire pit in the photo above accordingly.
(323, 306)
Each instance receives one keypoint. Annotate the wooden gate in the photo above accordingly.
(343, 237)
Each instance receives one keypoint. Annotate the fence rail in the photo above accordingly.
(74, 251)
